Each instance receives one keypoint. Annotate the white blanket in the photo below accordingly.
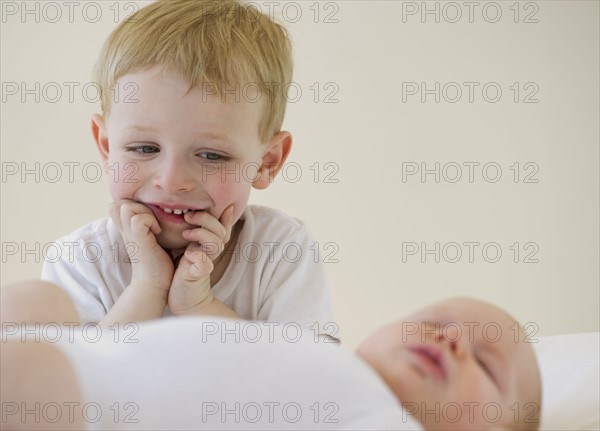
(570, 369)
(178, 374)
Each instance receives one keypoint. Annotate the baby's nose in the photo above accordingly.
(452, 332)
(451, 335)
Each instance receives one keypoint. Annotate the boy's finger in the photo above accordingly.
(227, 222)
(206, 221)
(138, 211)
(211, 247)
(121, 211)
(201, 235)
(114, 210)
(142, 223)
(193, 270)
(199, 263)
(136, 207)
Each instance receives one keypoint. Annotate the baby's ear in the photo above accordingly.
(100, 137)
(273, 159)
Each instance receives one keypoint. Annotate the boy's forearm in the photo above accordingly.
(136, 304)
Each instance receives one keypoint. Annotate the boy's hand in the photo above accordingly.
(191, 284)
(190, 290)
(151, 265)
(212, 235)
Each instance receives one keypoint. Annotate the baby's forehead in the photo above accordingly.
(464, 310)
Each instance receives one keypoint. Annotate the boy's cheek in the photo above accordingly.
(225, 193)
(120, 190)
(123, 179)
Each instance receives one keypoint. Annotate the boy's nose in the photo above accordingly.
(173, 176)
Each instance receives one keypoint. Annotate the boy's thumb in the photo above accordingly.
(195, 271)
(195, 260)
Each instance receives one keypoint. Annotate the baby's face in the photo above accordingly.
(459, 364)
(173, 150)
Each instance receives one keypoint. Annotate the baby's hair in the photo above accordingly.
(221, 43)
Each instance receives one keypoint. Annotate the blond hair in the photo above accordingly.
(222, 42)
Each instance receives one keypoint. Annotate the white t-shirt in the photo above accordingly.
(275, 272)
(185, 373)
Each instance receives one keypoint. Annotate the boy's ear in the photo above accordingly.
(273, 159)
(101, 137)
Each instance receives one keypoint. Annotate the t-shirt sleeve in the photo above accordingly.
(79, 278)
(297, 290)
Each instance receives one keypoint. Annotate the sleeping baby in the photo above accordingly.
(460, 364)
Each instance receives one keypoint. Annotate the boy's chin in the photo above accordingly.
(171, 242)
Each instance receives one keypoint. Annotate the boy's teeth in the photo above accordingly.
(176, 212)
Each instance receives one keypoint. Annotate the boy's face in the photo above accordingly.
(458, 365)
(173, 150)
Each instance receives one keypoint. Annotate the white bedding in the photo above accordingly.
(570, 368)
(181, 375)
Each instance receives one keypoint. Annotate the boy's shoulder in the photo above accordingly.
(265, 220)
(263, 214)
(100, 230)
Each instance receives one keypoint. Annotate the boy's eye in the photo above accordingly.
(213, 157)
(144, 149)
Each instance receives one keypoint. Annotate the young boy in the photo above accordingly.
(460, 364)
(192, 105)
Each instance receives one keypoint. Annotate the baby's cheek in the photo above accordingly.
(479, 398)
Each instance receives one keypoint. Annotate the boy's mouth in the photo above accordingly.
(172, 214)
(175, 211)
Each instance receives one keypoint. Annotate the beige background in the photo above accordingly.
(362, 141)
